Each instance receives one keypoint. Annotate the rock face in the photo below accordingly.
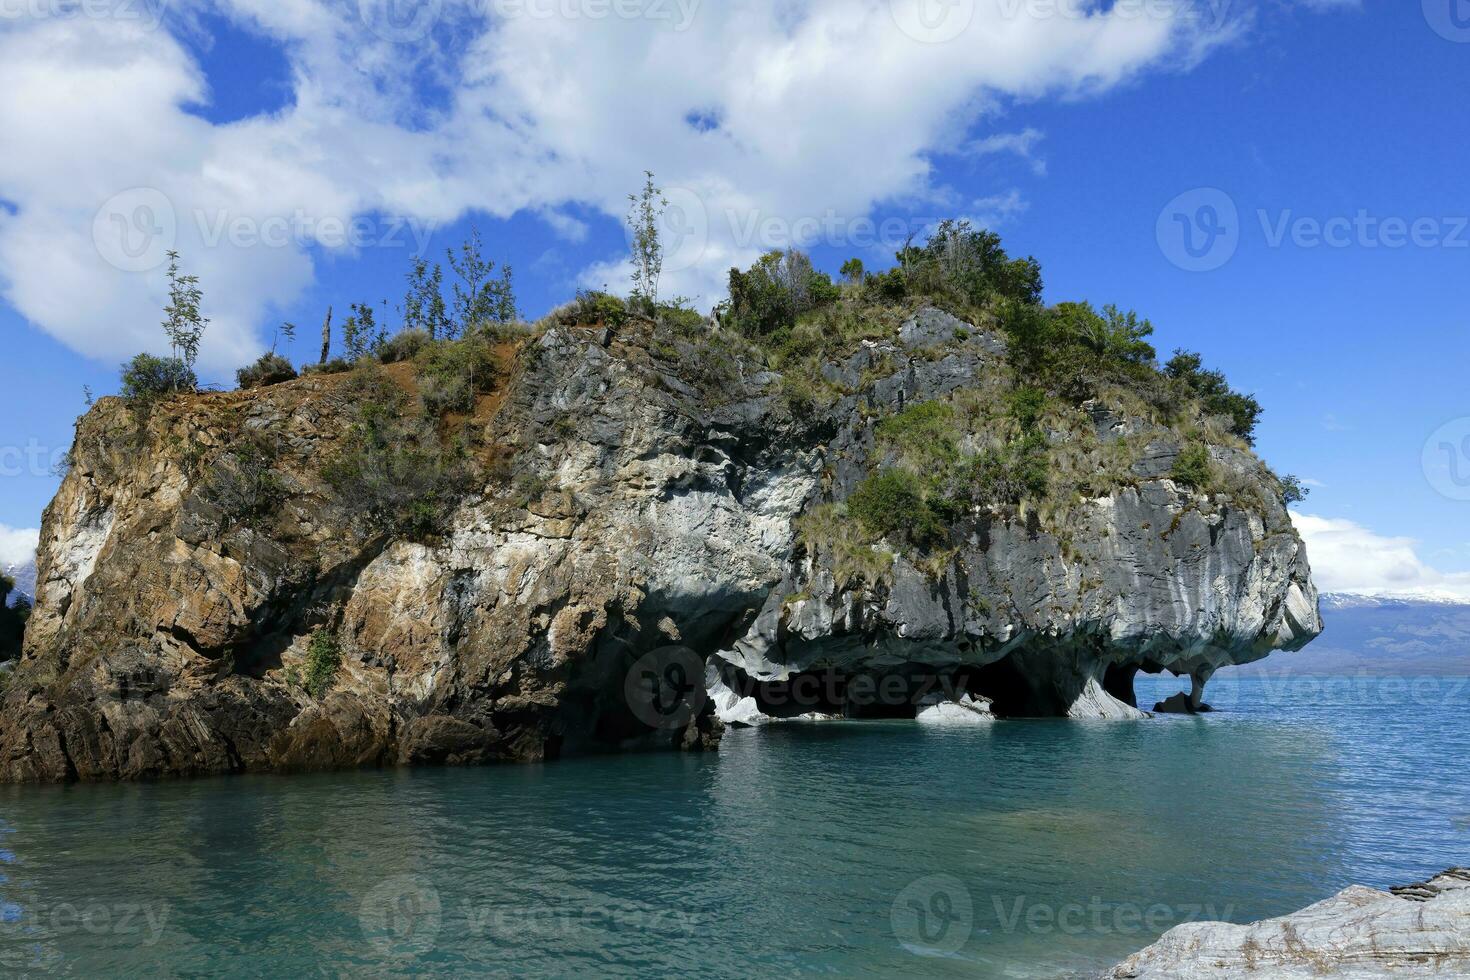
(636, 524)
(1360, 934)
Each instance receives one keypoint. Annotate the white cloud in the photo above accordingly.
(815, 109)
(17, 545)
(996, 210)
(1347, 557)
(1022, 144)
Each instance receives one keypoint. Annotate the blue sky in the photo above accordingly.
(1092, 141)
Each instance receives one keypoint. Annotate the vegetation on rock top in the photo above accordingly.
(1024, 441)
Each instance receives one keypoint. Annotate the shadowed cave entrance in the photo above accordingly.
(1013, 688)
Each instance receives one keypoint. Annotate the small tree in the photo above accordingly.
(853, 271)
(1293, 490)
(183, 322)
(423, 306)
(480, 296)
(360, 332)
(645, 211)
(287, 330)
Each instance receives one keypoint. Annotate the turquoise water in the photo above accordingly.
(1028, 849)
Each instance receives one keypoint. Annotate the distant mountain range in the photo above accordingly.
(1406, 636)
(25, 580)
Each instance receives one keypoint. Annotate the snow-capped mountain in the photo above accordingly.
(25, 579)
(1408, 635)
(1344, 600)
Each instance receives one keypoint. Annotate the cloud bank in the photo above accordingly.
(1347, 557)
(17, 545)
(755, 113)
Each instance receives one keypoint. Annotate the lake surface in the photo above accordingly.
(1026, 849)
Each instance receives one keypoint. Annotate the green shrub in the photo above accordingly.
(1193, 468)
(593, 307)
(1028, 405)
(147, 378)
(393, 471)
(966, 266)
(403, 346)
(1215, 395)
(897, 502)
(924, 435)
(681, 317)
(768, 298)
(271, 369)
(323, 659)
(452, 374)
(885, 288)
(242, 481)
(1019, 472)
(337, 365)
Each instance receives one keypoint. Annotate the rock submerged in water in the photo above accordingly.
(960, 712)
(636, 490)
(1360, 934)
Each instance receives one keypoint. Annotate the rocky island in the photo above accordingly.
(913, 493)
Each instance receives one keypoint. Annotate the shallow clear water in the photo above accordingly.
(1027, 849)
